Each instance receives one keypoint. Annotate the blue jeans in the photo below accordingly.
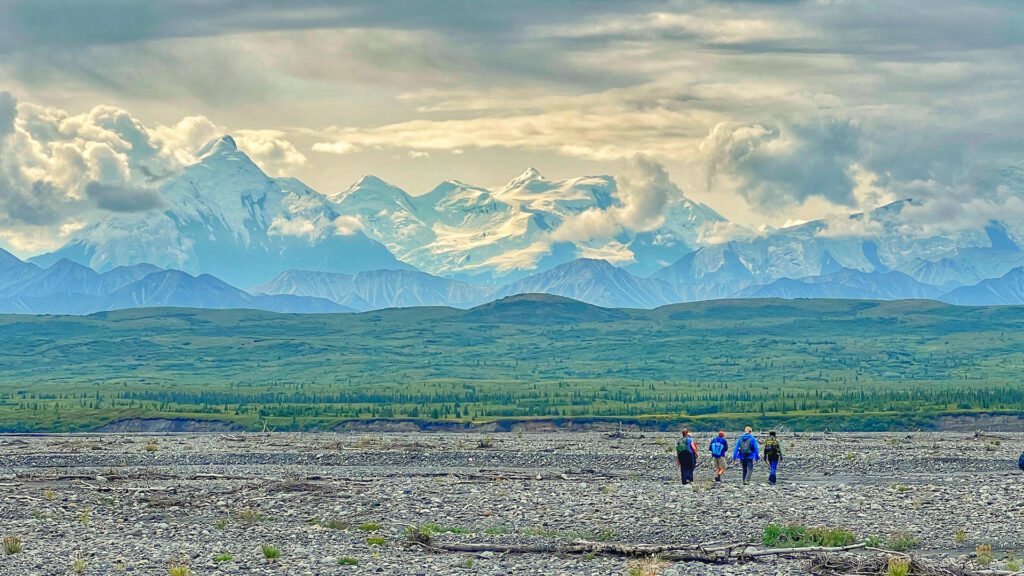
(771, 475)
(748, 469)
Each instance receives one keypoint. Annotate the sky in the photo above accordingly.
(770, 111)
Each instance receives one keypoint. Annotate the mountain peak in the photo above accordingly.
(218, 146)
(369, 180)
(8, 259)
(530, 174)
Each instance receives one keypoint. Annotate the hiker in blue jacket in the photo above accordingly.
(746, 452)
(719, 447)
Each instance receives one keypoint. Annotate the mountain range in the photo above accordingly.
(226, 225)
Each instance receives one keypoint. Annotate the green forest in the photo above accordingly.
(805, 364)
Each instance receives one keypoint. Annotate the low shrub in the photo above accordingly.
(902, 541)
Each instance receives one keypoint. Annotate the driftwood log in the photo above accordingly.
(710, 554)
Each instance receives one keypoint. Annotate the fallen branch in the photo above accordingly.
(805, 550)
(675, 552)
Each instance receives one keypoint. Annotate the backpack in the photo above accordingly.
(683, 446)
(746, 447)
(772, 452)
(717, 448)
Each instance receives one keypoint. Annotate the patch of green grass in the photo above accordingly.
(898, 567)
(270, 552)
(983, 554)
(12, 544)
(348, 561)
(421, 534)
(223, 558)
(902, 541)
(496, 530)
(376, 541)
(798, 536)
(369, 526)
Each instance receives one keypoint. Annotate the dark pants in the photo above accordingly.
(774, 464)
(748, 469)
(686, 464)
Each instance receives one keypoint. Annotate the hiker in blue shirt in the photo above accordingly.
(686, 456)
(719, 447)
(746, 452)
(1021, 461)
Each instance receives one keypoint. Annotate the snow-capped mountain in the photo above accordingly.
(364, 247)
(494, 235)
(225, 216)
(378, 289)
(811, 250)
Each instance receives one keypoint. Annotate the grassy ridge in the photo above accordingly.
(803, 363)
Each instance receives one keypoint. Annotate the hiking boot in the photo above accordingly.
(718, 478)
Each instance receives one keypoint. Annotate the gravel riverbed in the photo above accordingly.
(131, 503)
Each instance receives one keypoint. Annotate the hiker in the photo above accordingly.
(686, 456)
(1021, 461)
(718, 448)
(746, 452)
(772, 454)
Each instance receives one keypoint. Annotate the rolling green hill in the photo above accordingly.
(805, 364)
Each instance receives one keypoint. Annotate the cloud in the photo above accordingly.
(779, 165)
(124, 199)
(316, 228)
(60, 171)
(951, 214)
(642, 193)
(850, 226)
(340, 147)
(271, 150)
(8, 111)
(614, 252)
(722, 231)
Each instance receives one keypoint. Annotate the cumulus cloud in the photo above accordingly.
(642, 193)
(60, 170)
(951, 214)
(315, 228)
(271, 150)
(340, 147)
(782, 165)
(614, 252)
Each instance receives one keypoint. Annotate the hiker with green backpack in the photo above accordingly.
(686, 456)
(772, 454)
(747, 453)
